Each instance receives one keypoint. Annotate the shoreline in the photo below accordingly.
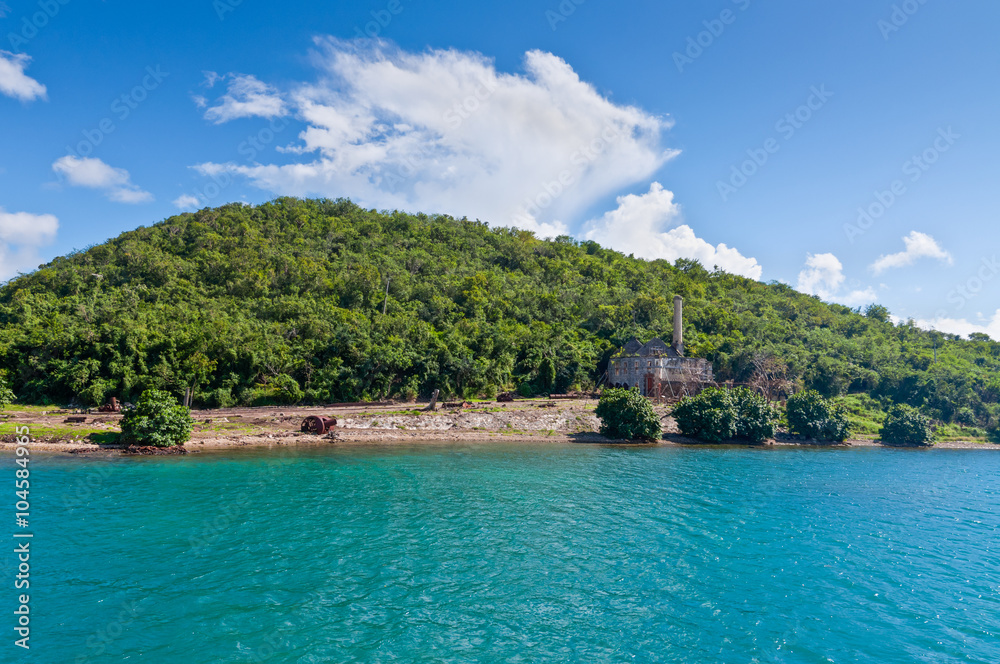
(562, 421)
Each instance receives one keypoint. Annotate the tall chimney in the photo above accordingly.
(679, 324)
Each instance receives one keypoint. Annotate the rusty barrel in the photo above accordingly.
(318, 425)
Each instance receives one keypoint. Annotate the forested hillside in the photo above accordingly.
(286, 302)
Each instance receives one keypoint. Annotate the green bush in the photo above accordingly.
(708, 416)
(906, 426)
(6, 394)
(755, 416)
(282, 390)
(717, 414)
(812, 416)
(629, 415)
(156, 420)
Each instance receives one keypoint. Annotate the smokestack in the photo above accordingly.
(679, 324)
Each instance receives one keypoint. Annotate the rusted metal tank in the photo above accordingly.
(111, 407)
(318, 425)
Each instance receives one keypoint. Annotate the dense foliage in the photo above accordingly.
(628, 415)
(708, 416)
(905, 426)
(7, 395)
(283, 302)
(156, 419)
(756, 418)
(718, 414)
(811, 415)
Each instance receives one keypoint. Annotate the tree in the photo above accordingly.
(158, 420)
(7, 395)
(812, 416)
(629, 415)
(905, 426)
(877, 312)
(717, 414)
(755, 416)
(708, 416)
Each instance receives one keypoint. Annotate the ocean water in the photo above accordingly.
(513, 553)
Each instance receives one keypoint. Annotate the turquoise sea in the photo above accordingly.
(513, 553)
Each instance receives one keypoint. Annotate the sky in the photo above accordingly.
(845, 148)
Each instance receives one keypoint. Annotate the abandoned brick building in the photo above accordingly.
(659, 370)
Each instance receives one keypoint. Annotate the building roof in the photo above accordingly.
(657, 347)
(631, 347)
(654, 348)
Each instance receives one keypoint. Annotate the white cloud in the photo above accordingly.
(21, 234)
(14, 82)
(444, 131)
(962, 326)
(186, 202)
(245, 97)
(95, 174)
(211, 78)
(918, 245)
(823, 276)
(638, 226)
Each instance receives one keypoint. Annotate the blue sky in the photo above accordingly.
(628, 123)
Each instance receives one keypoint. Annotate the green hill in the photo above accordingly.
(284, 302)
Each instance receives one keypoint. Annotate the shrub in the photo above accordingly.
(156, 420)
(708, 416)
(718, 414)
(282, 390)
(812, 416)
(906, 426)
(6, 394)
(965, 417)
(220, 398)
(755, 416)
(627, 414)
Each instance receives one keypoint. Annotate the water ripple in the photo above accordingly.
(521, 553)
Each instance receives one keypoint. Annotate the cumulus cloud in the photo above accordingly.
(639, 226)
(14, 82)
(21, 234)
(93, 173)
(245, 97)
(918, 245)
(823, 276)
(963, 327)
(186, 202)
(444, 131)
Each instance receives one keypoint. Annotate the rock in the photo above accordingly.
(148, 450)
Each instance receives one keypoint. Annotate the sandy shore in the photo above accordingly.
(535, 421)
